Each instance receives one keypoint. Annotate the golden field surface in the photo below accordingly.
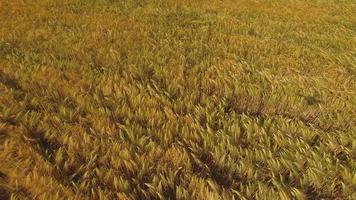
(177, 99)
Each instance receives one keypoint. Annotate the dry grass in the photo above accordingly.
(236, 99)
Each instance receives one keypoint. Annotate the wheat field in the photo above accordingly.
(178, 99)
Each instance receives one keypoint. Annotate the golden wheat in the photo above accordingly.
(235, 99)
